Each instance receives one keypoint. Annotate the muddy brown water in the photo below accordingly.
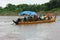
(45, 31)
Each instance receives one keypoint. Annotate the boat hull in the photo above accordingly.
(36, 22)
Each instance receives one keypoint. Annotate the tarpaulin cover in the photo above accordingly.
(27, 13)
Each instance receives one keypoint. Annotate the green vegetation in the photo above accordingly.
(10, 9)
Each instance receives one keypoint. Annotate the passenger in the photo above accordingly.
(49, 18)
(30, 18)
(41, 17)
(45, 17)
(25, 19)
(18, 20)
(35, 17)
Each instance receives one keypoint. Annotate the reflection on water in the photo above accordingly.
(45, 31)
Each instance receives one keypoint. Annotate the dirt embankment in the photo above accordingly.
(43, 12)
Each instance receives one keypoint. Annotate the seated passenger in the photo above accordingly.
(18, 20)
(35, 17)
(41, 17)
(25, 19)
(30, 18)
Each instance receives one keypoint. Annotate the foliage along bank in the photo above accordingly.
(52, 5)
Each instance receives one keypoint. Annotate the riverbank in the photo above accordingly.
(57, 13)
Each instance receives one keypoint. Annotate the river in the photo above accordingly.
(45, 31)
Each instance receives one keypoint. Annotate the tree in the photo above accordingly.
(55, 3)
(10, 7)
(1, 9)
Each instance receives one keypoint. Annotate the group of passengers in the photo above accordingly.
(35, 18)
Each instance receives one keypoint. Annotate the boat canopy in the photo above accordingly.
(29, 13)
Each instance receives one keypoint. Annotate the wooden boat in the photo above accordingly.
(35, 22)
